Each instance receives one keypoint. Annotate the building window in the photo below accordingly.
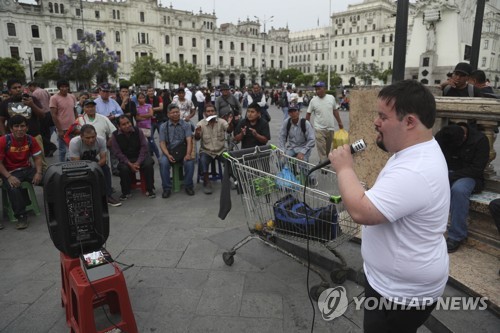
(208, 43)
(60, 53)
(341, 68)
(193, 42)
(195, 60)
(231, 46)
(390, 51)
(14, 52)
(242, 46)
(342, 42)
(141, 16)
(78, 12)
(350, 42)
(164, 20)
(221, 45)
(364, 53)
(118, 56)
(11, 29)
(221, 61)
(390, 38)
(117, 36)
(364, 40)
(180, 23)
(242, 62)
(37, 52)
(209, 60)
(35, 33)
(335, 44)
(181, 41)
(373, 52)
(181, 58)
(281, 53)
(231, 61)
(483, 62)
(342, 55)
(50, 7)
(167, 58)
(383, 38)
(114, 14)
(425, 62)
(486, 44)
(79, 34)
(59, 34)
(193, 25)
(62, 9)
(117, 14)
(253, 47)
(373, 39)
(97, 14)
(389, 65)
(167, 40)
(382, 52)
(272, 63)
(253, 62)
(263, 49)
(56, 8)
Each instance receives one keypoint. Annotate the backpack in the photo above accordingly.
(470, 90)
(302, 126)
(284, 99)
(8, 141)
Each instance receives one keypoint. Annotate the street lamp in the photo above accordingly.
(29, 54)
(264, 21)
(329, 43)
(74, 56)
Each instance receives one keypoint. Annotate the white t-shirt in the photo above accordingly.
(407, 257)
(322, 109)
(103, 126)
(77, 148)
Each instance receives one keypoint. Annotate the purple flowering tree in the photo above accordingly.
(89, 61)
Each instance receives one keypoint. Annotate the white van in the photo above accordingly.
(52, 91)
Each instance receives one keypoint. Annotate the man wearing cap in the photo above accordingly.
(106, 106)
(325, 109)
(226, 103)
(457, 85)
(102, 125)
(297, 135)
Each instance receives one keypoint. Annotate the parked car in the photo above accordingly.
(52, 91)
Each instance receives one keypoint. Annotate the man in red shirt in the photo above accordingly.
(15, 166)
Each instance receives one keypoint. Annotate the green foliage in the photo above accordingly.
(304, 80)
(11, 68)
(49, 71)
(145, 70)
(384, 76)
(289, 75)
(272, 76)
(176, 73)
(335, 79)
(366, 72)
(126, 83)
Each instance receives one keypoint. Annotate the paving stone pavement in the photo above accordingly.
(178, 282)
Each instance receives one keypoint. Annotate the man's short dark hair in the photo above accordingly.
(11, 82)
(87, 128)
(123, 117)
(16, 120)
(478, 75)
(254, 106)
(209, 105)
(123, 87)
(172, 106)
(411, 97)
(61, 83)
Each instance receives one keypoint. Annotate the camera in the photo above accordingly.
(26, 96)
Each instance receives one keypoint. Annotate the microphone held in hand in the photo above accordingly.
(356, 147)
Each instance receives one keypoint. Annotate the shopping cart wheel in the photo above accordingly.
(228, 258)
(339, 275)
(315, 291)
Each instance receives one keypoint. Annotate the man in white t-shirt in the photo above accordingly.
(324, 108)
(404, 213)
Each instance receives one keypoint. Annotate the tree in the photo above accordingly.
(145, 70)
(176, 73)
(49, 71)
(272, 76)
(384, 76)
(366, 72)
(93, 59)
(11, 68)
(289, 75)
(125, 83)
(335, 79)
(304, 80)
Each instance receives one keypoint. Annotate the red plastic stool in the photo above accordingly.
(138, 183)
(67, 265)
(111, 290)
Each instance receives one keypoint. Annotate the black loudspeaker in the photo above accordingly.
(76, 207)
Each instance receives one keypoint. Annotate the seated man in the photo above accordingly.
(15, 167)
(252, 130)
(297, 135)
(175, 134)
(211, 131)
(467, 152)
(131, 149)
(91, 147)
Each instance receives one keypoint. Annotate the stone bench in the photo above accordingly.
(479, 202)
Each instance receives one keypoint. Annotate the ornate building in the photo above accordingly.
(236, 54)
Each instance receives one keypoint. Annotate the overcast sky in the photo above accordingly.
(298, 14)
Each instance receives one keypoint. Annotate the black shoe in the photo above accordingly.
(452, 245)
(151, 194)
(166, 194)
(116, 173)
(189, 191)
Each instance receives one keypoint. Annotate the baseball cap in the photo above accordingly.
(293, 107)
(105, 86)
(89, 101)
(319, 84)
(463, 67)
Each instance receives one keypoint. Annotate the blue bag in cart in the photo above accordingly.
(290, 217)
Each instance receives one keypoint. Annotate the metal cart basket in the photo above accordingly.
(271, 185)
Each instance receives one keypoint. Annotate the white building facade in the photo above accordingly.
(236, 54)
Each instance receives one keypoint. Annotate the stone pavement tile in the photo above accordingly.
(10, 311)
(199, 254)
(228, 238)
(27, 290)
(240, 265)
(41, 315)
(18, 269)
(174, 240)
(262, 305)
(172, 300)
(265, 282)
(144, 298)
(150, 258)
(351, 313)
(170, 278)
(48, 271)
(258, 254)
(147, 238)
(222, 294)
(222, 324)
(174, 322)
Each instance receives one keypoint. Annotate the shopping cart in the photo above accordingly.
(271, 185)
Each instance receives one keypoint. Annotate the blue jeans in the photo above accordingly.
(461, 191)
(285, 112)
(165, 165)
(62, 149)
(153, 148)
(155, 126)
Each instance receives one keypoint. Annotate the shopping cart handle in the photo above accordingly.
(336, 199)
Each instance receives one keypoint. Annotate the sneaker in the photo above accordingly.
(166, 194)
(207, 188)
(124, 197)
(113, 202)
(189, 191)
(452, 245)
(151, 194)
(22, 222)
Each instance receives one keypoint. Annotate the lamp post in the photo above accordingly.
(329, 43)
(74, 56)
(29, 54)
(264, 21)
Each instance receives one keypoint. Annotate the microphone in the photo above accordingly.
(356, 147)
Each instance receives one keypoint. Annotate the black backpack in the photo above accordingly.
(302, 126)
(8, 141)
